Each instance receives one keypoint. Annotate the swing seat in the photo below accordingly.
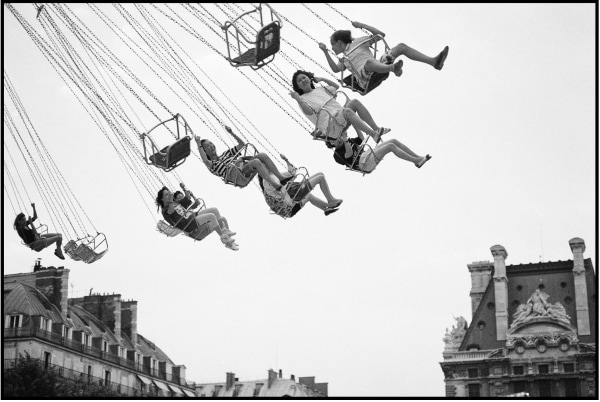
(173, 155)
(200, 233)
(70, 248)
(166, 229)
(374, 81)
(267, 44)
(234, 175)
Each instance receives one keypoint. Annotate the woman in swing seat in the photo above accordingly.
(236, 169)
(360, 57)
(348, 152)
(311, 100)
(28, 233)
(188, 221)
(287, 201)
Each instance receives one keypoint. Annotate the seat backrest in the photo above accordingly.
(170, 157)
(167, 229)
(267, 41)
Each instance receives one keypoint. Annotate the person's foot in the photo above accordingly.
(336, 202)
(232, 246)
(398, 68)
(422, 161)
(380, 132)
(331, 210)
(439, 62)
(59, 254)
(229, 233)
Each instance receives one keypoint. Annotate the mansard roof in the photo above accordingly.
(148, 348)
(23, 299)
(280, 387)
(83, 318)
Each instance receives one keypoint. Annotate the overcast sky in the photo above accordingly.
(360, 299)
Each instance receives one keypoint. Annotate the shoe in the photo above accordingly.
(439, 63)
(232, 246)
(335, 204)
(380, 132)
(398, 68)
(330, 211)
(230, 233)
(425, 159)
(59, 254)
(226, 239)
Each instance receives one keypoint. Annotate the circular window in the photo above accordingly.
(519, 288)
(490, 306)
(541, 347)
(541, 286)
(481, 325)
(563, 284)
(564, 346)
(568, 300)
(520, 348)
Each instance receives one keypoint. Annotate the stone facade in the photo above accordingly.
(532, 330)
(92, 338)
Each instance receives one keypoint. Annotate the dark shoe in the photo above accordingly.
(398, 68)
(330, 211)
(59, 254)
(439, 63)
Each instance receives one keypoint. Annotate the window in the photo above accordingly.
(257, 388)
(541, 347)
(45, 324)
(67, 333)
(106, 377)
(216, 390)
(543, 369)
(520, 348)
(545, 388)
(564, 346)
(571, 387)
(518, 370)
(473, 373)
(568, 367)
(47, 359)
(13, 321)
(474, 391)
(85, 339)
(519, 386)
(104, 346)
(236, 391)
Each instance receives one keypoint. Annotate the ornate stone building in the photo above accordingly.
(532, 330)
(274, 386)
(92, 338)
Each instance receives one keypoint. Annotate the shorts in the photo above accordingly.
(367, 161)
(235, 176)
(332, 125)
(299, 190)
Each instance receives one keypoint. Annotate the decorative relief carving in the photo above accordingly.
(538, 306)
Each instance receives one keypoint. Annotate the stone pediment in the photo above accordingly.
(541, 325)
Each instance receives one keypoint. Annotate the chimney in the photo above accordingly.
(52, 283)
(501, 291)
(230, 379)
(280, 373)
(106, 308)
(481, 273)
(321, 388)
(272, 377)
(293, 377)
(129, 320)
(581, 297)
(308, 381)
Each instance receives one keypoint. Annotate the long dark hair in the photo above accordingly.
(343, 35)
(159, 201)
(311, 76)
(21, 215)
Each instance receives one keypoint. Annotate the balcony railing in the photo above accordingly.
(92, 351)
(74, 375)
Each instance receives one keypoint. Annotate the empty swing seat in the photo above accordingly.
(267, 44)
(170, 157)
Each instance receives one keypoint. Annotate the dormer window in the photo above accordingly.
(67, 333)
(45, 324)
(257, 388)
(105, 346)
(86, 339)
(13, 321)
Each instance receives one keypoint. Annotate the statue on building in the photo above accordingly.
(454, 337)
(538, 306)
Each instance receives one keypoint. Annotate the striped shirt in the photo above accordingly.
(219, 166)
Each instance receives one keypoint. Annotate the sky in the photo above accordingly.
(362, 298)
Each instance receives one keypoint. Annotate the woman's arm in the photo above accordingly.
(336, 67)
(328, 82)
(303, 105)
(238, 139)
(34, 212)
(374, 31)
